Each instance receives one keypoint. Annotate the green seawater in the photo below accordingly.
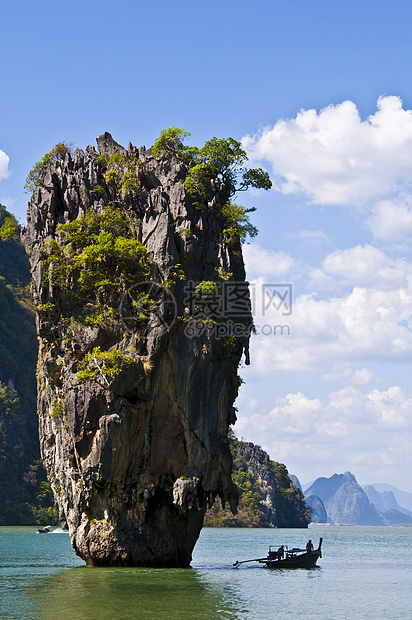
(365, 574)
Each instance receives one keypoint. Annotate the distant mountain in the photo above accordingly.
(403, 498)
(395, 517)
(296, 482)
(319, 514)
(384, 501)
(306, 485)
(345, 501)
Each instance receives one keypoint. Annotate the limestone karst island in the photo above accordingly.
(143, 316)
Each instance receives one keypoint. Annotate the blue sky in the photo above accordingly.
(320, 93)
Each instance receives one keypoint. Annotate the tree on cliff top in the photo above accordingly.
(220, 162)
(58, 152)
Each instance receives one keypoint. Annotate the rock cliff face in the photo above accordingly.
(267, 495)
(136, 383)
(252, 460)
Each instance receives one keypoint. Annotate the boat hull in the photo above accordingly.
(295, 561)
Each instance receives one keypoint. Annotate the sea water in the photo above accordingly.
(365, 574)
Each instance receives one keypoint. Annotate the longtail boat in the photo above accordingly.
(284, 557)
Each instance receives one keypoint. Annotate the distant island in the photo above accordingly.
(268, 497)
(341, 500)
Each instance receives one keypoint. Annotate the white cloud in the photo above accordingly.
(293, 414)
(344, 373)
(264, 262)
(364, 313)
(320, 281)
(362, 265)
(336, 158)
(365, 324)
(7, 201)
(391, 220)
(4, 165)
(392, 408)
(366, 433)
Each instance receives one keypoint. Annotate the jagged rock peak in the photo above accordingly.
(136, 383)
(106, 144)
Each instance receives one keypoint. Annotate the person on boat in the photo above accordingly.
(281, 552)
(309, 547)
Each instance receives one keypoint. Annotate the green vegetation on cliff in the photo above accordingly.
(219, 160)
(58, 152)
(267, 496)
(218, 166)
(98, 251)
(25, 492)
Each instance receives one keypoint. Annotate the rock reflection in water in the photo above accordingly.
(120, 593)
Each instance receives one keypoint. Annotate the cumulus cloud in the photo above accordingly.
(4, 165)
(294, 414)
(365, 324)
(391, 407)
(361, 265)
(265, 262)
(366, 315)
(391, 220)
(344, 373)
(335, 157)
(363, 432)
